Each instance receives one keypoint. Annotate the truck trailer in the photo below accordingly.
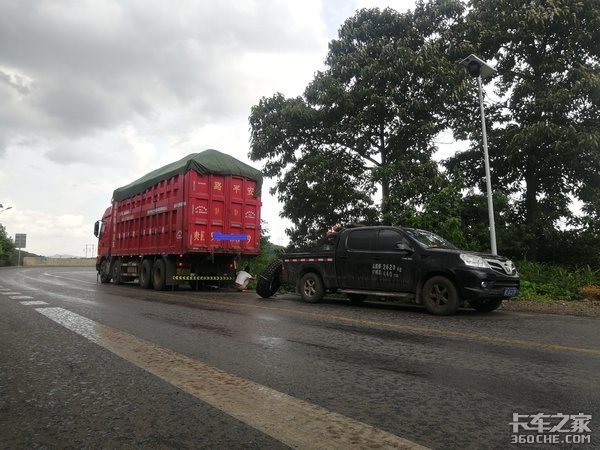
(186, 222)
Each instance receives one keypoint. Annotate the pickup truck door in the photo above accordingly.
(355, 259)
(395, 266)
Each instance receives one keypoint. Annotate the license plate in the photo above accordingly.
(510, 292)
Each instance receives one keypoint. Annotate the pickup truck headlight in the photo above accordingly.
(474, 261)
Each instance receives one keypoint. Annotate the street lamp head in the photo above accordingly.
(477, 67)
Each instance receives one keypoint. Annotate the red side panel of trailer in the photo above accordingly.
(190, 213)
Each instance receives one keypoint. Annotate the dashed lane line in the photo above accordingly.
(34, 303)
(292, 421)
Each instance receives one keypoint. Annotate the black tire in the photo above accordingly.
(116, 271)
(356, 298)
(486, 305)
(311, 288)
(159, 275)
(269, 280)
(104, 272)
(440, 296)
(146, 274)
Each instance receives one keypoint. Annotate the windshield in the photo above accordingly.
(428, 239)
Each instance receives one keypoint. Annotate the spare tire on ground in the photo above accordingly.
(269, 280)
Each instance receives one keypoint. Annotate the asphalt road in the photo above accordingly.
(87, 365)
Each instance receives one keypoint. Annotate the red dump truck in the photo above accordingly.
(186, 222)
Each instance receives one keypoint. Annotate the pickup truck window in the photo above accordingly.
(388, 240)
(428, 239)
(362, 240)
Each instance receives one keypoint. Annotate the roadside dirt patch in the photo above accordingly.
(584, 308)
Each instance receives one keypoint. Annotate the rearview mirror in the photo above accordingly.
(97, 229)
(404, 247)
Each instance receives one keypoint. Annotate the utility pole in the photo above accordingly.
(89, 247)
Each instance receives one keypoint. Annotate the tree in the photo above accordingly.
(7, 247)
(545, 144)
(366, 124)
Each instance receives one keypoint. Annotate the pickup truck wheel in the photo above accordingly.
(104, 272)
(311, 288)
(159, 275)
(486, 305)
(146, 274)
(269, 280)
(440, 296)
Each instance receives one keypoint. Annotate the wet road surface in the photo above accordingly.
(117, 366)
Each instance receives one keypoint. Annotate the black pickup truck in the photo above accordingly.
(395, 261)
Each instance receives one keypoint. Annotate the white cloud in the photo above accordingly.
(95, 94)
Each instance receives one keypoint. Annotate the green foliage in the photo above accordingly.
(366, 122)
(7, 247)
(366, 126)
(545, 138)
(546, 282)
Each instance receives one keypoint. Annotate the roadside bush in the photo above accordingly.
(546, 282)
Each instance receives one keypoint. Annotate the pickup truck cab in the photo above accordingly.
(395, 261)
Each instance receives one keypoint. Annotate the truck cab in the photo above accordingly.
(102, 230)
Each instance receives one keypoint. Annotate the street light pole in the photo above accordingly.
(488, 178)
(479, 69)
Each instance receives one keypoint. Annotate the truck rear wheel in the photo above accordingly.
(440, 296)
(311, 288)
(269, 280)
(159, 275)
(146, 274)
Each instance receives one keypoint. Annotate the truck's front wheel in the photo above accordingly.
(311, 288)
(104, 272)
(440, 296)
(116, 272)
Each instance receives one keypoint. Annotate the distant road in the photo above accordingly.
(90, 365)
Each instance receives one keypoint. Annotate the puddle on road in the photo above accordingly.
(192, 325)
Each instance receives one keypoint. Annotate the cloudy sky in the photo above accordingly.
(94, 94)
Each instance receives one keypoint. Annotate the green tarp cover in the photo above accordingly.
(208, 161)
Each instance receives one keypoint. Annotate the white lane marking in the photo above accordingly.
(10, 293)
(294, 422)
(20, 297)
(5, 289)
(34, 302)
(53, 275)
